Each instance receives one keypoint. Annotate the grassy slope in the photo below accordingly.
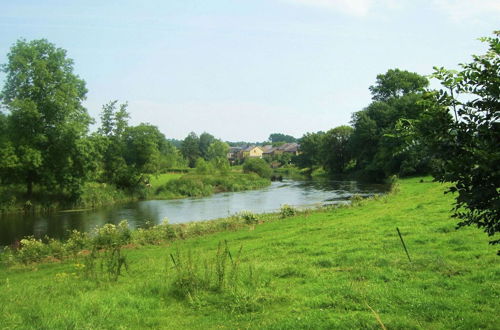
(323, 270)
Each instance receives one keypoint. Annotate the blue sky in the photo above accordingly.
(244, 69)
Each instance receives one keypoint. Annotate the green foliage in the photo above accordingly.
(205, 141)
(154, 235)
(258, 166)
(217, 149)
(197, 280)
(77, 241)
(31, 250)
(279, 137)
(377, 147)
(190, 148)
(203, 167)
(248, 217)
(204, 185)
(287, 211)
(46, 119)
(111, 235)
(311, 147)
(190, 186)
(396, 83)
(467, 149)
(106, 256)
(337, 149)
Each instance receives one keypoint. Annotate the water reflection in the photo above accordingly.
(301, 194)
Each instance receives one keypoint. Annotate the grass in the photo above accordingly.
(161, 179)
(340, 268)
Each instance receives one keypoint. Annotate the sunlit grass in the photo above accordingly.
(342, 268)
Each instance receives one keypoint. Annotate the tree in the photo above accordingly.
(114, 124)
(396, 83)
(279, 137)
(190, 148)
(377, 148)
(467, 147)
(144, 144)
(217, 149)
(337, 149)
(311, 147)
(46, 118)
(205, 141)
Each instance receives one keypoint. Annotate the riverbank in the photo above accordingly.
(162, 186)
(332, 268)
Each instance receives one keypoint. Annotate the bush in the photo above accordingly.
(77, 242)
(155, 234)
(259, 166)
(203, 167)
(287, 211)
(31, 250)
(191, 186)
(248, 217)
(110, 235)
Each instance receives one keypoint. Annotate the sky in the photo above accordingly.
(243, 69)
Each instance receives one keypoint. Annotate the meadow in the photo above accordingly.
(331, 268)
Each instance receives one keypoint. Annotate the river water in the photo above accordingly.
(301, 194)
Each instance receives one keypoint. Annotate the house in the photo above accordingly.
(233, 154)
(290, 148)
(251, 152)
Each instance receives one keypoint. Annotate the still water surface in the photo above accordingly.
(301, 194)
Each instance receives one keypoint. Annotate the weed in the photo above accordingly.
(287, 211)
(248, 217)
(197, 280)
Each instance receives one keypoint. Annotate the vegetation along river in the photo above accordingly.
(301, 194)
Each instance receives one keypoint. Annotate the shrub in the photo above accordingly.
(259, 166)
(77, 242)
(31, 250)
(111, 235)
(248, 217)
(155, 234)
(287, 211)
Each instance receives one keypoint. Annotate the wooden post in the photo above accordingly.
(404, 245)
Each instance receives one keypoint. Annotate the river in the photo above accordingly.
(301, 194)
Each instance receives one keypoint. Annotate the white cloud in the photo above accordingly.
(459, 10)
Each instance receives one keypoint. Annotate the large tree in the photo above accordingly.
(466, 145)
(46, 120)
(377, 148)
(190, 148)
(205, 140)
(338, 153)
(396, 83)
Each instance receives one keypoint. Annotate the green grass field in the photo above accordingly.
(343, 268)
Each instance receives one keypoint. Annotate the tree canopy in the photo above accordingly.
(46, 119)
